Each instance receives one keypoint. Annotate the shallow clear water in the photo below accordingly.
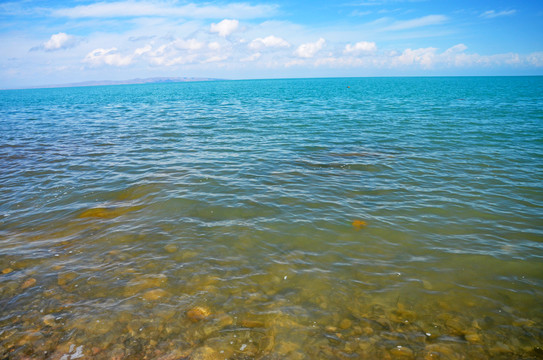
(279, 219)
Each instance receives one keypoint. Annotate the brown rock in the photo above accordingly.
(198, 313)
(48, 320)
(205, 353)
(473, 337)
(345, 324)
(171, 248)
(64, 278)
(155, 294)
(225, 320)
(401, 352)
(252, 324)
(359, 224)
(7, 271)
(28, 283)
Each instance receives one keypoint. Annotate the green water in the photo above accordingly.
(385, 218)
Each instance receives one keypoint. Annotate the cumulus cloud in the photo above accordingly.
(535, 59)
(60, 41)
(216, 58)
(111, 56)
(252, 57)
(268, 42)
(214, 46)
(225, 27)
(362, 47)
(309, 50)
(131, 8)
(423, 56)
(493, 14)
(190, 44)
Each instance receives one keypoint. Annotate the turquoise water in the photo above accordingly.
(273, 219)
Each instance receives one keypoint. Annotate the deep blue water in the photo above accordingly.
(238, 197)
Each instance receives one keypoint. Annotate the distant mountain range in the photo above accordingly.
(153, 80)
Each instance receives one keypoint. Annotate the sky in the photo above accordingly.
(44, 42)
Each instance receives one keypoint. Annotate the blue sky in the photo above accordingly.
(52, 42)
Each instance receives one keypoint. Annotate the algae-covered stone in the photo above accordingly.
(285, 348)
(48, 320)
(401, 352)
(427, 285)
(28, 283)
(99, 326)
(205, 353)
(252, 324)
(155, 294)
(140, 283)
(523, 322)
(225, 320)
(455, 326)
(65, 278)
(345, 324)
(473, 337)
(171, 248)
(438, 351)
(198, 313)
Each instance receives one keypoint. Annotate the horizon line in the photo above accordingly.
(170, 80)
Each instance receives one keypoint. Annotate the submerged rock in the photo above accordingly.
(345, 324)
(205, 353)
(64, 278)
(401, 352)
(102, 212)
(198, 313)
(28, 283)
(48, 320)
(140, 283)
(7, 271)
(473, 337)
(155, 294)
(252, 324)
(359, 224)
(171, 248)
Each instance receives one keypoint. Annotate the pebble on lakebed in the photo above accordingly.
(155, 294)
(198, 313)
(359, 224)
(28, 283)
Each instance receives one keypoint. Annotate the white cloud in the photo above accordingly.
(191, 44)
(252, 57)
(111, 56)
(309, 50)
(216, 58)
(60, 41)
(140, 51)
(362, 47)
(423, 56)
(535, 59)
(133, 8)
(456, 49)
(225, 27)
(269, 41)
(214, 46)
(493, 14)
(416, 23)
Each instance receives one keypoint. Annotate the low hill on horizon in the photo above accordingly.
(152, 80)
